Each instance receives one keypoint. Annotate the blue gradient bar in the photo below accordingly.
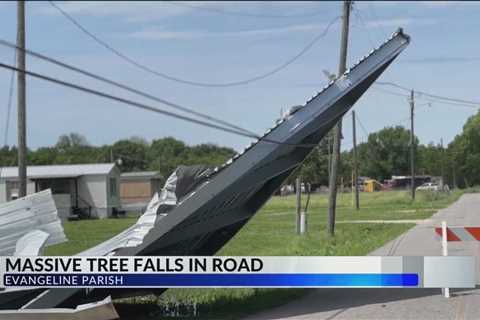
(162, 280)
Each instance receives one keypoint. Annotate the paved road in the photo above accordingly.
(399, 303)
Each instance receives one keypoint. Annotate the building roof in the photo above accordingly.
(59, 171)
(140, 175)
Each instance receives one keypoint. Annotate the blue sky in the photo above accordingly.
(202, 45)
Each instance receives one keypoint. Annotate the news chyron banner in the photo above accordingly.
(228, 272)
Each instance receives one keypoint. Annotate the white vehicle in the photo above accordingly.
(429, 186)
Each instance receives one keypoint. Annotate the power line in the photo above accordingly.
(362, 126)
(419, 94)
(390, 92)
(127, 101)
(151, 108)
(362, 22)
(191, 82)
(245, 14)
(122, 86)
(429, 99)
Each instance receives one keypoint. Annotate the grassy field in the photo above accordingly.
(270, 232)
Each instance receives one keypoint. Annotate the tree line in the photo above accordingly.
(133, 154)
(385, 153)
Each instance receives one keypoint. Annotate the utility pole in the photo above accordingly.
(21, 101)
(412, 143)
(443, 164)
(355, 163)
(329, 144)
(298, 190)
(332, 201)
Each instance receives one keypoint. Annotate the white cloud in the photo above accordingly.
(447, 3)
(132, 10)
(159, 33)
(423, 3)
(399, 22)
(136, 11)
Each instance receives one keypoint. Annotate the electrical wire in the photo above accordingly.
(358, 16)
(166, 76)
(419, 93)
(122, 86)
(244, 14)
(126, 101)
(150, 108)
(361, 125)
(391, 92)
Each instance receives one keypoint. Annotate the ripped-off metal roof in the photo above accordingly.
(59, 171)
(209, 216)
(33, 212)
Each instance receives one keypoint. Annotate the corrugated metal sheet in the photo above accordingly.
(21, 216)
(31, 244)
(59, 171)
(133, 235)
(101, 310)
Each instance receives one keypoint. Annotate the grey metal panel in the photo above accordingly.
(59, 171)
(266, 159)
(101, 310)
(21, 216)
(31, 244)
(211, 215)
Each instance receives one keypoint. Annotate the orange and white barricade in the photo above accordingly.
(455, 233)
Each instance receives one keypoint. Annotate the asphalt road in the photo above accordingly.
(399, 303)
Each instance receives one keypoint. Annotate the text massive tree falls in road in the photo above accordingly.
(228, 196)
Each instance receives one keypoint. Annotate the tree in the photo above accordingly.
(386, 153)
(73, 139)
(132, 154)
(165, 155)
(8, 156)
(464, 152)
(431, 160)
(315, 167)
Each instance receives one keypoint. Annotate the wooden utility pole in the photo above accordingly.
(21, 101)
(332, 201)
(443, 163)
(329, 144)
(355, 163)
(298, 190)
(412, 143)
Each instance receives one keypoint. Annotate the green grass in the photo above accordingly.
(392, 205)
(270, 232)
(85, 234)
